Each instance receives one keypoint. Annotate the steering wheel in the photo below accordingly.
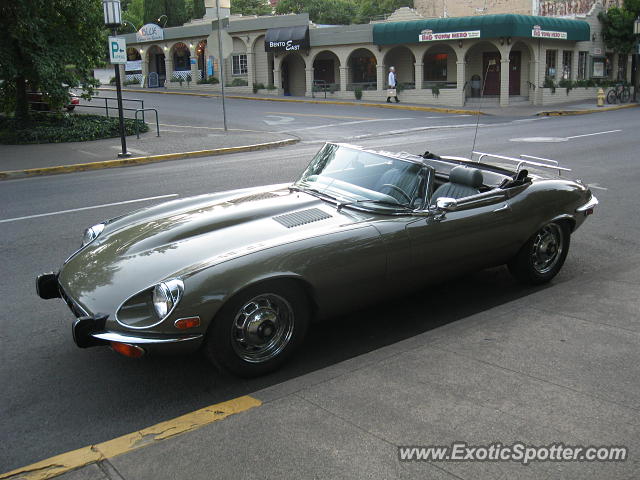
(399, 190)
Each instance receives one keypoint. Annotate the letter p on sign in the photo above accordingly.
(117, 50)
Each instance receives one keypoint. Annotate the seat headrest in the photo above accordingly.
(472, 177)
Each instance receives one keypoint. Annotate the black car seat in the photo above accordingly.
(401, 179)
(463, 182)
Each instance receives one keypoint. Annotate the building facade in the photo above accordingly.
(444, 61)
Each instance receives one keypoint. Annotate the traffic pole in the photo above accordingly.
(123, 138)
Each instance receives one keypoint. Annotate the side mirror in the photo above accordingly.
(446, 204)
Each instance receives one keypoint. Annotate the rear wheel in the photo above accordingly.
(258, 329)
(625, 95)
(542, 257)
(611, 96)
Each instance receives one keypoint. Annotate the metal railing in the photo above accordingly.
(138, 126)
(525, 160)
(108, 107)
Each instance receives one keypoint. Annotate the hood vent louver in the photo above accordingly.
(296, 219)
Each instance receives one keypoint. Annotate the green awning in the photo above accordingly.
(489, 26)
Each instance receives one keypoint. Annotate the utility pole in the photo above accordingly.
(221, 64)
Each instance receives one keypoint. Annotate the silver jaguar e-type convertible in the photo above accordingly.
(242, 273)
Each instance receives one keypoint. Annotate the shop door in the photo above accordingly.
(324, 70)
(514, 73)
(161, 68)
(491, 72)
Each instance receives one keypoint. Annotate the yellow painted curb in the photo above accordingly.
(414, 108)
(66, 462)
(558, 113)
(124, 162)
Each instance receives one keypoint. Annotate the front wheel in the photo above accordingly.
(612, 97)
(625, 95)
(258, 329)
(542, 256)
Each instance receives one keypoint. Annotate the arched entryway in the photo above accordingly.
(181, 57)
(483, 70)
(404, 62)
(293, 75)
(157, 70)
(362, 70)
(326, 70)
(521, 58)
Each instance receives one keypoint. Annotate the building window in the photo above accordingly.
(567, 60)
(435, 67)
(622, 68)
(583, 61)
(239, 64)
(550, 70)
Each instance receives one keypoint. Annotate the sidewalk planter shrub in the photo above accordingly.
(60, 128)
(210, 81)
(435, 91)
(258, 86)
(358, 93)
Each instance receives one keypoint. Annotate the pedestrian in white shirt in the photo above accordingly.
(392, 85)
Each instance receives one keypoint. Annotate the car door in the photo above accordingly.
(476, 235)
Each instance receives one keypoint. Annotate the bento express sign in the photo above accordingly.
(429, 36)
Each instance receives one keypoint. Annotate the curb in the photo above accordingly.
(559, 113)
(66, 462)
(414, 108)
(125, 162)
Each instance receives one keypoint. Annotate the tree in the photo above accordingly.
(342, 12)
(617, 29)
(250, 7)
(134, 14)
(48, 45)
(176, 12)
(153, 9)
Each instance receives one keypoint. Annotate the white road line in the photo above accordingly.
(592, 134)
(88, 208)
(596, 186)
(344, 123)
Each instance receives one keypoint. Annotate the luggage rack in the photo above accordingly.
(525, 160)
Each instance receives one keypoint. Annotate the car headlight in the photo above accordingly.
(91, 233)
(166, 296)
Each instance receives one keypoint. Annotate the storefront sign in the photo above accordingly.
(133, 66)
(598, 67)
(150, 32)
(429, 36)
(287, 39)
(537, 32)
(117, 50)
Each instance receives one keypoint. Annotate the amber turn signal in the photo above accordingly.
(189, 322)
(127, 349)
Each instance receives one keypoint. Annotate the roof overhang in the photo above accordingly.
(483, 26)
(286, 39)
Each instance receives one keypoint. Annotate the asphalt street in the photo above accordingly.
(56, 397)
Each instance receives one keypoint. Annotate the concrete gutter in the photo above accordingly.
(558, 113)
(125, 162)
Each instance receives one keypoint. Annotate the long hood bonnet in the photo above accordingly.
(180, 237)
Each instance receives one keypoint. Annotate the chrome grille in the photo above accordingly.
(296, 219)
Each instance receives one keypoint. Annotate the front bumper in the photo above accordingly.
(89, 330)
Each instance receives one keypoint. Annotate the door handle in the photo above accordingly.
(503, 208)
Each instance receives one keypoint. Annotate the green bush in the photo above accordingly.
(133, 81)
(549, 83)
(64, 127)
(435, 90)
(566, 83)
(358, 93)
(210, 80)
(258, 86)
(112, 81)
(237, 82)
(271, 87)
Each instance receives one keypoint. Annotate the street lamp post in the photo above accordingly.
(636, 54)
(113, 19)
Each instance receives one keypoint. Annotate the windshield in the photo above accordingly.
(353, 176)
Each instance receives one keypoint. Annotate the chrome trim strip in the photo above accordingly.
(132, 327)
(68, 299)
(592, 203)
(137, 340)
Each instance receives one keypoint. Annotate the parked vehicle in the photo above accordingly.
(38, 101)
(242, 273)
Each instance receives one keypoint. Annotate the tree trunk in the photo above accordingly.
(22, 102)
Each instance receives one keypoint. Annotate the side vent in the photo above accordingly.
(296, 219)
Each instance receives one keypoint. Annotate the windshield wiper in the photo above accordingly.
(371, 200)
(312, 191)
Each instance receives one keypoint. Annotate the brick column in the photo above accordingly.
(251, 73)
(344, 78)
(382, 83)
(309, 82)
(419, 74)
(277, 80)
(195, 74)
(461, 75)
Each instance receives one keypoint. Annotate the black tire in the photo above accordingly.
(542, 256)
(611, 96)
(279, 320)
(625, 95)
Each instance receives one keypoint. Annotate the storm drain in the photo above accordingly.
(302, 217)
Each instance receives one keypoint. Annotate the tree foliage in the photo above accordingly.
(48, 45)
(342, 12)
(617, 26)
(133, 14)
(153, 10)
(250, 7)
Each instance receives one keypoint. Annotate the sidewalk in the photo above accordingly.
(174, 142)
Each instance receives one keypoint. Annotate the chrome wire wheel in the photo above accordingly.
(547, 248)
(262, 328)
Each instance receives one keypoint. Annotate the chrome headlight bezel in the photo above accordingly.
(151, 306)
(166, 296)
(91, 233)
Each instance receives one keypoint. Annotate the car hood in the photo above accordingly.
(181, 237)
